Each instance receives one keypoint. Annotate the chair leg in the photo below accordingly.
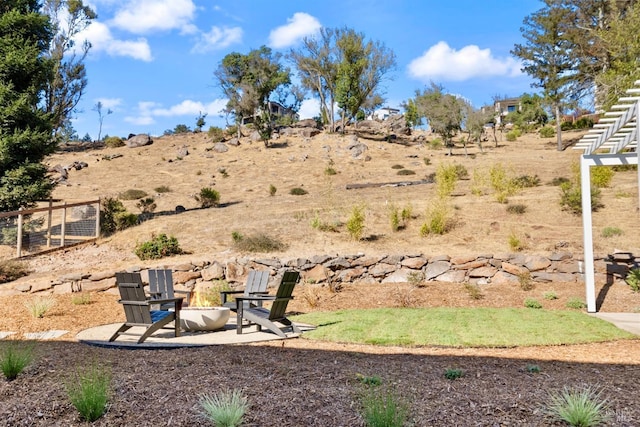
(120, 330)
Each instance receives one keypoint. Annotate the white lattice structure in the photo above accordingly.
(613, 141)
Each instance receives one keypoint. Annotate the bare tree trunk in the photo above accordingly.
(558, 127)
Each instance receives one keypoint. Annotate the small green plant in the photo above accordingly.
(162, 189)
(633, 279)
(355, 222)
(436, 144)
(503, 185)
(406, 172)
(611, 231)
(581, 407)
(394, 218)
(216, 134)
(427, 161)
(159, 246)
(132, 194)
(257, 243)
(446, 177)
(515, 243)
(330, 171)
(524, 278)
(40, 305)
(406, 213)
(547, 132)
(512, 135)
(549, 296)
(526, 181)
(83, 298)
(208, 197)
(601, 176)
(532, 303)
(224, 409)
(453, 373)
(236, 236)
(416, 279)
(533, 369)
(384, 409)
(11, 270)
(272, 190)
(517, 209)
(89, 391)
(558, 181)
(474, 291)
(14, 358)
(575, 303)
(223, 172)
(297, 191)
(373, 380)
(438, 220)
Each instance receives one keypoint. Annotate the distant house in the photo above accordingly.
(384, 113)
(276, 109)
(503, 107)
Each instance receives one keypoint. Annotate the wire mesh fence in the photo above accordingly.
(31, 231)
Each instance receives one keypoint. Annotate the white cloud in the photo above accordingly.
(217, 38)
(309, 109)
(441, 62)
(103, 41)
(145, 16)
(297, 27)
(149, 111)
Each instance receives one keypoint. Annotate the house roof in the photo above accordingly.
(617, 129)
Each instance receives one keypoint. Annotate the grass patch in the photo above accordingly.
(297, 191)
(40, 305)
(12, 270)
(460, 327)
(89, 391)
(579, 407)
(257, 243)
(14, 358)
(611, 232)
(132, 194)
(224, 408)
(383, 408)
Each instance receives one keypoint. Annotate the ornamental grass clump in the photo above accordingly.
(382, 408)
(581, 407)
(14, 358)
(224, 409)
(39, 306)
(89, 390)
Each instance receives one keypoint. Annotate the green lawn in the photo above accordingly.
(460, 327)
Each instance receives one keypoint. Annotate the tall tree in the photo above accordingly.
(444, 112)
(25, 129)
(547, 55)
(248, 82)
(69, 79)
(338, 66)
(361, 69)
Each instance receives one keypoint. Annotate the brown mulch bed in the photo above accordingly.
(300, 382)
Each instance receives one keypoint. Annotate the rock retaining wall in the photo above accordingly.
(478, 269)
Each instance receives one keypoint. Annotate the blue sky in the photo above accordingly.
(152, 61)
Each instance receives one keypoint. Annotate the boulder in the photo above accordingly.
(139, 140)
(220, 147)
(435, 269)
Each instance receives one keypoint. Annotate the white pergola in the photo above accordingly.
(613, 141)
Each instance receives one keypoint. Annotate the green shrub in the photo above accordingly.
(257, 243)
(453, 373)
(438, 220)
(162, 189)
(461, 171)
(272, 190)
(147, 205)
(474, 291)
(611, 231)
(426, 160)
(436, 144)
(446, 177)
(355, 223)
(159, 246)
(582, 407)
(575, 303)
(83, 298)
(517, 209)
(11, 270)
(584, 123)
(558, 181)
(397, 167)
(208, 197)
(384, 409)
(532, 303)
(547, 132)
(524, 278)
(216, 134)
(394, 218)
(502, 183)
(601, 176)
(512, 136)
(297, 191)
(564, 126)
(224, 409)
(14, 358)
(633, 279)
(624, 168)
(89, 391)
(571, 198)
(373, 380)
(40, 305)
(526, 181)
(406, 213)
(515, 243)
(533, 369)
(330, 171)
(550, 295)
(132, 194)
(113, 142)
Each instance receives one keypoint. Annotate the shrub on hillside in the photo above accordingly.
(547, 132)
(11, 270)
(113, 142)
(159, 246)
(115, 217)
(208, 197)
(216, 134)
(257, 243)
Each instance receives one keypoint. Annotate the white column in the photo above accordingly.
(587, 232)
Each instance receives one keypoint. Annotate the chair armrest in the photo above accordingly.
(263, 298)
(224, 294)
(176, 301)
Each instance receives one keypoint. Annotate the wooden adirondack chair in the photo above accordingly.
(161, 287)
(137, 308)
(257, 281)
(268, 318)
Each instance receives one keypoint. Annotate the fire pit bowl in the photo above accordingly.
(203, 318)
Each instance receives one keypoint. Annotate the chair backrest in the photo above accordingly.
(161, 283)
(257, 282)
(131, 294)
(285, 290)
